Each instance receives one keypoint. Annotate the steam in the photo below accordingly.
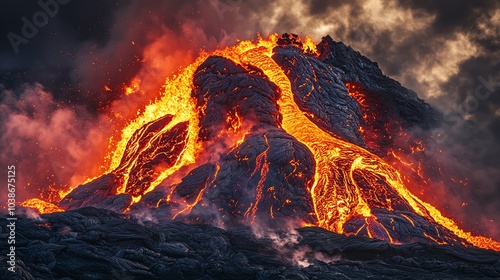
(287, 244)
(48, 143)
(145, 216)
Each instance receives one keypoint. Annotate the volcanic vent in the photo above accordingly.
(278, 132)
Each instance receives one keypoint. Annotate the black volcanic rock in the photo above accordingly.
(94, 243)
(226, 92)
(155, 151)
(194, 182)
(320, 93)
(403, 104)
(149, 149)
(267, 176)
(264, 179)
(98, 193)
(256, 181)
(140, 139)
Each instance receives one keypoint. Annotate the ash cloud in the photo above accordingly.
(442, 50)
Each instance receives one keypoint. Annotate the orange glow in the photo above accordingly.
(63, 193)
(42, 206)
(262, 167)
(336, 196)
(395, 180)
(336, 192)
(189, 206)
(309, 45)
(133, 87)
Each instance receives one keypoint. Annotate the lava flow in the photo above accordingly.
(270, 132)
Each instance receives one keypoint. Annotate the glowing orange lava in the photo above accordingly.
(42, 206)
(335, 193)
(336, 196)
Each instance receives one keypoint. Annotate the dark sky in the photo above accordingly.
(53, 100)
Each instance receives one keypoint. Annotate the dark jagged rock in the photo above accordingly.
(162, 152)
(195, 181)
(319, 93)
(140, 139)
(227, 92)
(265, 178)
(403, 103)
(98, 193)
(252, 172)
(388, 108)
(148, 150)
(94, 243)
(289, 39)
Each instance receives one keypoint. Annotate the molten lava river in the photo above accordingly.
(272, 133)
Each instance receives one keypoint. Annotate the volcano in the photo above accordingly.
(290, 155)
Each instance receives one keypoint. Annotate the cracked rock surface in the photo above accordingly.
(91, 243)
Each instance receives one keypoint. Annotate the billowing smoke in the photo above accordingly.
(81, 77)
(68, 82)
(52, 146)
